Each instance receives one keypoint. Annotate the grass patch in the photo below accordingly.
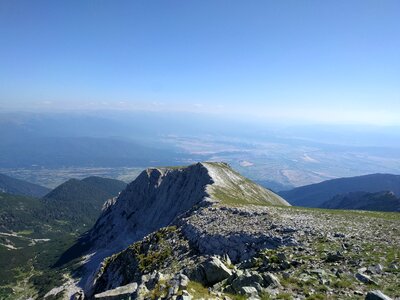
(349, 213)
(198, 291)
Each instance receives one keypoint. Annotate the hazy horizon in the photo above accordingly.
(288, 92)
(300, 63)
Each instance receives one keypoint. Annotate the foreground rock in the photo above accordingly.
(119, 293)
(215, 271)
(269, 260)
(377, 295)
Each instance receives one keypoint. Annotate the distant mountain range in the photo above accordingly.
(15, 186)
(317, 195)
(380, 201)
(76, 204)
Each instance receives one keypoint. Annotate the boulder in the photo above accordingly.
(178, 282)
(247, 279)
(364, 278)
(376, 269)
(377, 295)
(334, 257)
(271, 279)
(119, 293)
(152, 279)
(215, 271)
(78, 296)
(248, 291)
(141, 292)
(183, 281)
(185, 296)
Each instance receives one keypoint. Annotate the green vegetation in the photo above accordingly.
(81, 200)
(316, 275)
(238, 190)
(157, 253)
(20, 187)
(197, 290)
(348, 213)
(35, 232)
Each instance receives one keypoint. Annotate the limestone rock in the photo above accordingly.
(377, 295)
(78, 296)
(215, 271)
(248, 279)
(364, 278)
(271, 279)
(119, 293)
(185, 296)
(248, 291)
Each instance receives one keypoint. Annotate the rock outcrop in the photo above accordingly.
(161, 197)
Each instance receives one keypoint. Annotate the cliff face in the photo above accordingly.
(150, 202)
(159, 195)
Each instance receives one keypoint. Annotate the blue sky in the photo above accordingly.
(300, 61)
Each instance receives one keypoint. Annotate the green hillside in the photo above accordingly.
(381, 201)
(35, 232)
(15, 186)
(81, 200)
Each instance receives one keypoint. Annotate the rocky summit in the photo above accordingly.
(160, 195)
(206, 232)
(163, 196)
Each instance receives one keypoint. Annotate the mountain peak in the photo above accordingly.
(159, 197)
(229, 187)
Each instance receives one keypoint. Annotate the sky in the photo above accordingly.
(335, 62)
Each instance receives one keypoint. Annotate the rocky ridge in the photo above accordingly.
(232, 244)
(160, 197)
(317, 255)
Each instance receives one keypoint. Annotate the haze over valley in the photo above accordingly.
(48, 148)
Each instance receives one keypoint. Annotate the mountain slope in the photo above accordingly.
(314, 195)
(161, 196)
(30, 240)
(82, 200)
(229, 187)
(35, 232)
(108, 185)
(20, 187)
(18, 213)
(381, 201)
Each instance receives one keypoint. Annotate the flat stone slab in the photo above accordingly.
(119, 293)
